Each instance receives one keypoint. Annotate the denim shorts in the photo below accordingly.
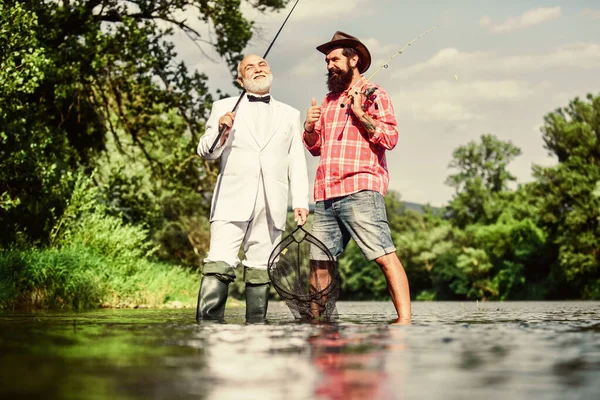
(360, 216)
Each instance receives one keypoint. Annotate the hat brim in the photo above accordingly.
(360, 48)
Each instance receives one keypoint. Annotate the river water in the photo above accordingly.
(451, 350)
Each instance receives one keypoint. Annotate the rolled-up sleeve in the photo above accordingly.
(315, 149)
(386, 128)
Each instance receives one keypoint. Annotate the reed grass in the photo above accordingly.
(94, 260)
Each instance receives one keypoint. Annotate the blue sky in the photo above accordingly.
(515, 61)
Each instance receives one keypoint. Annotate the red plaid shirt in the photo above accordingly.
(350, 160)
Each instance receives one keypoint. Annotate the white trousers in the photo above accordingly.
(259, 237)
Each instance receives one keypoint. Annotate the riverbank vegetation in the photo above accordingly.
(94, 259)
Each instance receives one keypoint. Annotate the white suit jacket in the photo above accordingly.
(279, 158)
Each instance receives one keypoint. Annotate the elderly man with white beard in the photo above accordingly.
(261, 161)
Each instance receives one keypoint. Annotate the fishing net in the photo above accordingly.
(310, 288)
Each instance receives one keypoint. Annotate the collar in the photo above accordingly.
(259, 95)
(359, 83)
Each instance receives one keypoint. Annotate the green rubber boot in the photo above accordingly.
(214, 288)
(257, 301)
(257, 294)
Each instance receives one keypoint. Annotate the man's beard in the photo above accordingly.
(260, 86)
(338, 80)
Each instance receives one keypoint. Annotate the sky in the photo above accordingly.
(488, 67)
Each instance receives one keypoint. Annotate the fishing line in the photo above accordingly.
(396, 54)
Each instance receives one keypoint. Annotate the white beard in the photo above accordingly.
(259, 86)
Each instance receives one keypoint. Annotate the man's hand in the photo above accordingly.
(226, 120)
(356, 102)
(300, 215)
(312, 116)
(367, 121)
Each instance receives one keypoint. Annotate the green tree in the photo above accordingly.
(418, 236)
(482, 175)
(25, 148)
(568, 196)
(105, 89)
(421, 239)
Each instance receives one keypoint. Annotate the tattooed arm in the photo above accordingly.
(379, 122)
(369, 123)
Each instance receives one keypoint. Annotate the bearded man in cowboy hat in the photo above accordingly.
(351, 131)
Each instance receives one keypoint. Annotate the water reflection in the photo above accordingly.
(449, 351)
(246, 361)
(351, 364)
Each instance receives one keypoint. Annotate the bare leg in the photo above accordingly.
(397, 284)
(319, 279)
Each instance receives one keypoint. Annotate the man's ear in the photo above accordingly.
(354, 61)
(240, 82)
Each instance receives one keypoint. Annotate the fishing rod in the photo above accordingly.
(370, 91)
(237, 104)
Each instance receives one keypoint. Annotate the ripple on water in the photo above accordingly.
(513, 350)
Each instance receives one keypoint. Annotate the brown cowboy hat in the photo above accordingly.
(340, 40)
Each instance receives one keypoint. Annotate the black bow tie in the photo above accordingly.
(264, 99)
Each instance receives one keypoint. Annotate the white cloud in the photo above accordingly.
(497, 90)
(447, 100)
(445, 111)
(425, 108)
(578, 55)
(317, 9)
(306, 66)
(485, 21)
(527, 19)
(591, 12)
(380, 52)
(451, 61)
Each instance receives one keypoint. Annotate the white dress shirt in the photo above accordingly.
(261, 114)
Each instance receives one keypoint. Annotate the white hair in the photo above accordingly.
(239, 69)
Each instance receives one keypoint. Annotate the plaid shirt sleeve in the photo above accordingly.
(380, 108)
